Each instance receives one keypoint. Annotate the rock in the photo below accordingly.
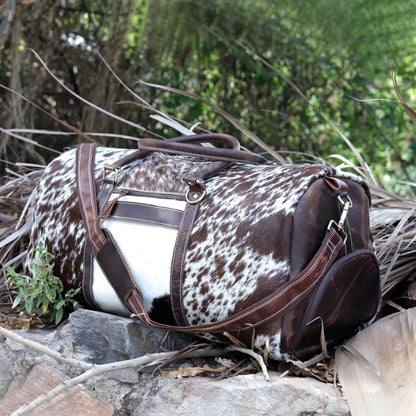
(247, 395)
(40, 380)
(6, 375)
(101, 338)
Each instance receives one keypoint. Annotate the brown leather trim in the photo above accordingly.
(115, 267)
(341, 301)
(267, 309)
(106, 191)
(87, 280)
(178, 260)
(86, 187)
(209, 153)
(147, 213)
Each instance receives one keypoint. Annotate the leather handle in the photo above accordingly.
(184, 145)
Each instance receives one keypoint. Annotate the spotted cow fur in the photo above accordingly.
(238, 251)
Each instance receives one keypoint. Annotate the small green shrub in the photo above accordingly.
(42, 293)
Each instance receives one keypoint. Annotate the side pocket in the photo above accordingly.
(347, 297)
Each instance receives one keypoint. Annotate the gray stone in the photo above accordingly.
(100, 338)
(6, 375)
(247, 395)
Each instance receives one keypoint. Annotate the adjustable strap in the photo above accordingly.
(119, 275)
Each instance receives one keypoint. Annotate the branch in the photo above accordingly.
(96, 370)
(6, 21)
(44, 350)
(253, 354)
(93, 370)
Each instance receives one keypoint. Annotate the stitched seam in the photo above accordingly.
(187, 209)
(294, 299)
(199, 155)
(161, 207)
(91, 183)
(236, 318)
(91, 229)
(130, 274)
(81, 195)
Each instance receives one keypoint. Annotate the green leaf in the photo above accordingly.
(44, 309)
(29, 305)
(59, 315)
(16, 302)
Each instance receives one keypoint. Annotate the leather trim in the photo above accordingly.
(178, 261)
(104, 194)
(88, 276)
(147, 213)
(182, 143)
(183, 146)
(268, 308)
(340, 301)
(86, 187)
(115, 267)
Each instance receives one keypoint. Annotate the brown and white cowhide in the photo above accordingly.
(238, 251)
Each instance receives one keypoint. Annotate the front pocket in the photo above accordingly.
(344, 299)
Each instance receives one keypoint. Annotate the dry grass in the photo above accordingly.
(15, 224)
(393, 218)
(393, 225)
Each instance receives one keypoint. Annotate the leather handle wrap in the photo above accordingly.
(184, 146)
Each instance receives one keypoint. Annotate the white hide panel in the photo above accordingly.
(148, 250)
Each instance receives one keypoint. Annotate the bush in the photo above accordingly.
(43, 293)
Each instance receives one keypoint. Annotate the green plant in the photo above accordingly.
(43, 293)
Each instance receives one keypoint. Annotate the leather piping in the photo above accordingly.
(178, 261)
(147, 213)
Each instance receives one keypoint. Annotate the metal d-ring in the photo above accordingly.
(193, 197)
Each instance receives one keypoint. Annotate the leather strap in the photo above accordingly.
(261, 312)
(183, 145)
(178, 261)
(87, 193)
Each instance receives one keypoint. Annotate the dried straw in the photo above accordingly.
(393, 218)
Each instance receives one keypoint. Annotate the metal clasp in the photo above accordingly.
(346, 206)
(107, 168)
(191, 196)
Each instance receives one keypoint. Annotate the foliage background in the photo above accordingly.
(336, 51)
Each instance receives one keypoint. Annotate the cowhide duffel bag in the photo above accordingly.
(213, 241)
